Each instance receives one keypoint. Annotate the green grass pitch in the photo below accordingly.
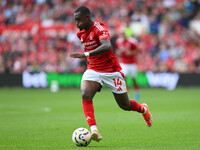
(36, 119)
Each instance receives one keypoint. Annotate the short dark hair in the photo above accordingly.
(83, 10)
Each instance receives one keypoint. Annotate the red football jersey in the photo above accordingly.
(127, 45)
(90, 40)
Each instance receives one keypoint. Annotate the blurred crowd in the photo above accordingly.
(37, 35)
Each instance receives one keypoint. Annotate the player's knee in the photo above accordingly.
(125, 107)
(86, 95)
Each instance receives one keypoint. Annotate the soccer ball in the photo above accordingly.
(81, 137)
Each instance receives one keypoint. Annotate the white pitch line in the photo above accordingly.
(47, 109)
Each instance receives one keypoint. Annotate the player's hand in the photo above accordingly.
(77, 55)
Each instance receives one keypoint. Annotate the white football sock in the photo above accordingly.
(94, 127)
(145, 110)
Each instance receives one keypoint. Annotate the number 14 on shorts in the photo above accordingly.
(117, 82)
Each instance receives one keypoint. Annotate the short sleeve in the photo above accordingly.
(101, 31)
(103, 35)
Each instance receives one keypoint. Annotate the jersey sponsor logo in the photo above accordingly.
(90, 44)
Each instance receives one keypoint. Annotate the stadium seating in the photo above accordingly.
(37, 35)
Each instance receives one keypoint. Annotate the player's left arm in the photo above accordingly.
(103, 48)
(104, 38)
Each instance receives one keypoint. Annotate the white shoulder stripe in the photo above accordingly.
(101, 27)
(97, 24)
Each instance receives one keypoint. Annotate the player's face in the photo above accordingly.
(81, 20)
(124, 36)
